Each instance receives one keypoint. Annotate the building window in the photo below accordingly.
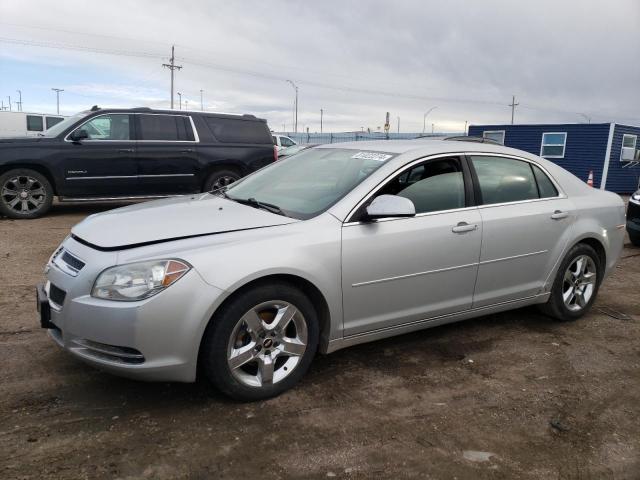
(35, 123)
(495, 135)
(628, 152)
(553, 144)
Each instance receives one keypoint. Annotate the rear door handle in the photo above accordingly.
(463, 227)
(559, 215)
(126, 150)
(187, 150)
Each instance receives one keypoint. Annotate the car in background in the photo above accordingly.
(14, 124)
(287, 152)
(282, 141)
(115, 154)
(633, 218)
(338, 245)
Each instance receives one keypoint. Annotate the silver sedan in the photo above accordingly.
(339, 245)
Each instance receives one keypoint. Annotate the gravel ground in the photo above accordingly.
(514, 395)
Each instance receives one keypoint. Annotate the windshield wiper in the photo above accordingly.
(252, 202)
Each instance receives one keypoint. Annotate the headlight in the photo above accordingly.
(635, 198)
(137, 281)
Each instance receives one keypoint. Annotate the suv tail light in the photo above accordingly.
(275, 153)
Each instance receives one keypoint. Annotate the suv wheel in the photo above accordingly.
(261, 343)
(576, 285)
(220, 179)
(24, 193)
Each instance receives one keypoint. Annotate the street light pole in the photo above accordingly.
(201, 101)
(398, 124)
(57, 90)
(424, 118)
(180, 97)
(295, 118)
(9, 97)
(19, 102)
(321, 114)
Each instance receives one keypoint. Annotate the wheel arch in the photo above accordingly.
(307, 287)
(32, 166)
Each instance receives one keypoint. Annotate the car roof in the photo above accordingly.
(427, 146)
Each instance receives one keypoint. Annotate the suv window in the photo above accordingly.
(165, 127)
(432, 186)
(108, 127)
(237, 130)
(286, 142)
(51, 121)
(35, 123)
(504, 179)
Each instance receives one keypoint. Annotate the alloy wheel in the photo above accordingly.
(223, 181)
(23, 194)
(579, 283)
(267, 344)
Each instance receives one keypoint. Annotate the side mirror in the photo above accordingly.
(390, 206)
(78, 135)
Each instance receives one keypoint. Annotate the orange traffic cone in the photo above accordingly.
(590, 179)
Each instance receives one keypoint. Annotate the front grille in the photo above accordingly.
(56, 295)
(72, 261)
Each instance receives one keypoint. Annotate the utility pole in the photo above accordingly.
(398, 124)
(465, 127)
(19, 102)
(321, 113)
(180, 97)
(201, 101)
(57, 90)
(295, 118)
(513, 106)
(433, 125)
(172, 66)
(2, 107)
(9, 97)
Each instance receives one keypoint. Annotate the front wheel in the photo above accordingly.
(261, 343)
(24, 193)
(576, 285)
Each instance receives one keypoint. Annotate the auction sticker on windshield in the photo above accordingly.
(380, 157)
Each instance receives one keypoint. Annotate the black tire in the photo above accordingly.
(219, 179)
(555, 306)
(635, 238)
(36, 188)
(213, 361)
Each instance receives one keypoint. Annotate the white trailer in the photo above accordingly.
(20, 124)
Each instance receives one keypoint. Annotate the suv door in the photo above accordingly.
(104, 163)
(402, 270)
(167, 156)
(526, 223)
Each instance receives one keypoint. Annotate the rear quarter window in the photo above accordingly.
(232, 130)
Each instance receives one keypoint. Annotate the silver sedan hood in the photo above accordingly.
(171, 219)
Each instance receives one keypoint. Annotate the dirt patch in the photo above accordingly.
(513, 395)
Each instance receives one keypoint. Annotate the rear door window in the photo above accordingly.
(169, 128)
(238, 130)
(504, 180)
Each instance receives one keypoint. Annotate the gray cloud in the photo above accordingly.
(356, 60)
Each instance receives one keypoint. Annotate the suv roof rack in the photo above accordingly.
(468, 138)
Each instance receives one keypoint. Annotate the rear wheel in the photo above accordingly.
(261, 343)
(576, 285)
(220, 179)
(24, 193)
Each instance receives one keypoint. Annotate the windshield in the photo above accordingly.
(309, 182)
(58, 128)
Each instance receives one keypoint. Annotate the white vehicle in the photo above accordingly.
(24, 124)
(282, 141)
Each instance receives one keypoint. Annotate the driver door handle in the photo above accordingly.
(559, 215)
(463, 227)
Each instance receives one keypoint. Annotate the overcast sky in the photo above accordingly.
(355, 60)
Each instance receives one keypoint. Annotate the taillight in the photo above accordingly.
(275, 153)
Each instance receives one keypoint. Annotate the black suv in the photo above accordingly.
(109, 154)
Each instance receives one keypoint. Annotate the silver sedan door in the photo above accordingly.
(401, 270)
(526, 222)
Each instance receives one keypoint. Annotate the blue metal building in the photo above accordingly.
(610, 150)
